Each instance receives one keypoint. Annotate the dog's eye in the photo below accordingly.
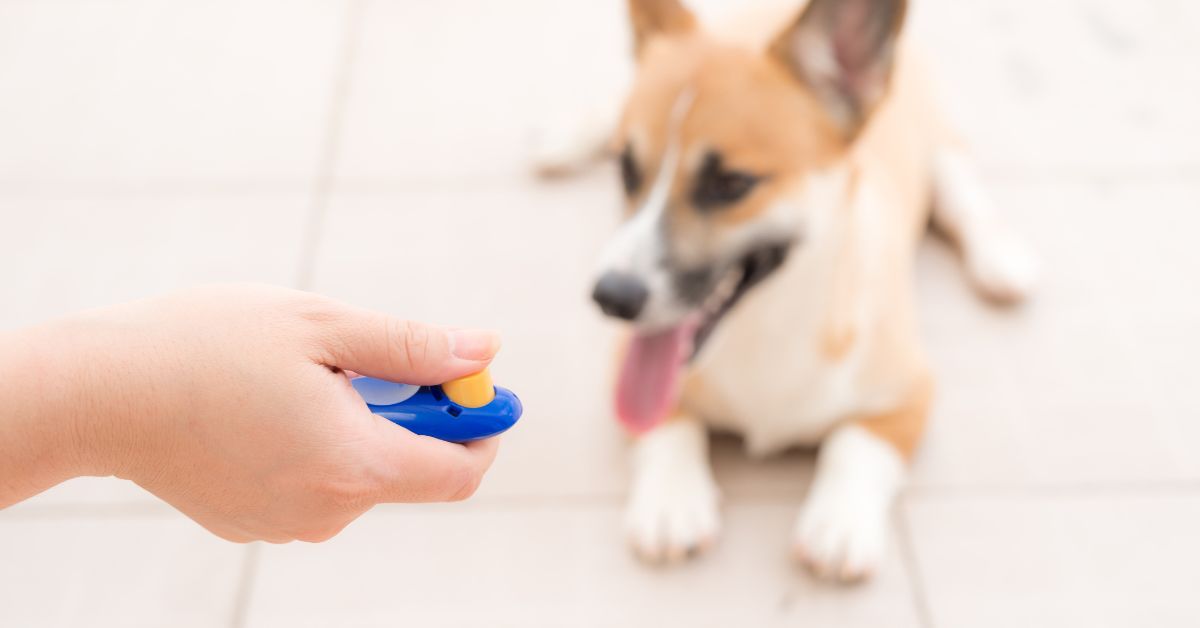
(631, 178)
(717, 187)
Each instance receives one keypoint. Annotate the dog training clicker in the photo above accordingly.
(466, 409)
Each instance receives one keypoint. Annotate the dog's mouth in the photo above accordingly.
(649, 383)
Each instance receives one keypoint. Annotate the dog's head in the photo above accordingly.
(725, 155)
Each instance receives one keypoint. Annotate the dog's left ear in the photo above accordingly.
(844, 51)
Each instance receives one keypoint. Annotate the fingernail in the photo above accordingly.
(474, 344)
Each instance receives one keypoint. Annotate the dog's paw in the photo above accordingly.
(1003, 268)
(672, 513)
(565, 145)
(840, 539)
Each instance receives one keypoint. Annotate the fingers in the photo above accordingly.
(375, 344)
(424, 469)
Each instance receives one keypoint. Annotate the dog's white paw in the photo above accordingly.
(672, 511)
(842, 528)
(565, 145)
(840, 538)
(1003, 267)
(673, 516)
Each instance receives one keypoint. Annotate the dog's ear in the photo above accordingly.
(844, 51)
(655, 17)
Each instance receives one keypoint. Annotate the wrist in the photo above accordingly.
(102, 415)
(69, 405)
(39, 444)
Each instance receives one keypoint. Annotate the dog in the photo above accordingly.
(779, 174)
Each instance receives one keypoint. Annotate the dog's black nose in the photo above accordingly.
(620, 295)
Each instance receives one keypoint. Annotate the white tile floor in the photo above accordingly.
(328, 144)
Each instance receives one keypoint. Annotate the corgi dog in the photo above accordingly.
(779, 173)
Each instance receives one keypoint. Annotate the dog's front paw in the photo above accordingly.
(1003, 267)
(840, 539)
(672, 513)
(564, 145)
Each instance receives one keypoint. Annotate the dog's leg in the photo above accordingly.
(672, 510)
(998, 261)
(570, 143)
(842, 529)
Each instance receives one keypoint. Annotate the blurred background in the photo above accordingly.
(377, 151)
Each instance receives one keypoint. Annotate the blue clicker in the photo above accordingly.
(466, 409)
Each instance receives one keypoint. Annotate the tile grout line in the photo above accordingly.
(326, 168)
(908, 557)
(1113, 489)
(1117, 490)
(241, 601)
(322, 184)
(996, 176)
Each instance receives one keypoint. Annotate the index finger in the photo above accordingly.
(425, 469)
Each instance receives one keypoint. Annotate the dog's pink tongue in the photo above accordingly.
(649, 382)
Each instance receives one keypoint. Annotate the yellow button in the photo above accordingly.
(472, 391)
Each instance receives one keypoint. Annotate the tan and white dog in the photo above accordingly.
(779, 174)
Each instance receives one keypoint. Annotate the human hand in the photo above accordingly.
(231, 403)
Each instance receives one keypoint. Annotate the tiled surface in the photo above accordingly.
(138, 93)
(1085, 383)
(1079, 85)
(457, 87)
(146, 146)
(558, 563)
(66, 254)
(122, 570)
(1055, 560)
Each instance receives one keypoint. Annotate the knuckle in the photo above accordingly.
(319, 316)
(315, 309)
(415, 339)
(316, 319)
(342, 496)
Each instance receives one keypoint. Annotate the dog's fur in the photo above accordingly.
(828, 108)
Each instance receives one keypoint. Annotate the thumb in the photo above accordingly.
(399, 350)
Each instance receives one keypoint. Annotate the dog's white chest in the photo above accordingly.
(764, 375)
(797, 409)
